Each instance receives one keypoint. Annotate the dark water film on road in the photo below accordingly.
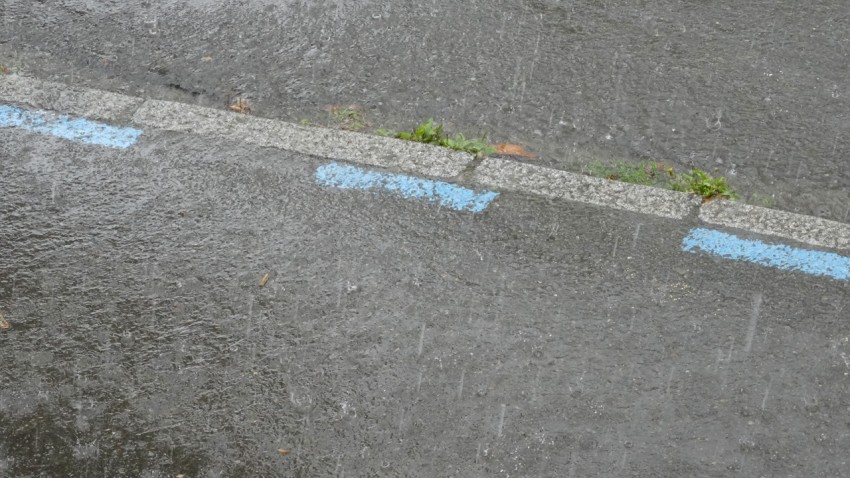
(755, 91)
(190, 306)
(197, 307)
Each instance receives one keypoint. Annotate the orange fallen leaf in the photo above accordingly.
(508, 149)
(283, 451)
(240, 106)
(264, 280)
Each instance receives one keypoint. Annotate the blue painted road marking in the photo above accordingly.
(772, 255)
(75, 129)
(446, 194)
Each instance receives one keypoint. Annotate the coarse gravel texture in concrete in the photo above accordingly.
(557, 184)
(323, 142)
(68, 99)
(807, 229)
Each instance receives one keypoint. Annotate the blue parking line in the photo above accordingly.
(446, 194)
(778, 256)
(75, 129)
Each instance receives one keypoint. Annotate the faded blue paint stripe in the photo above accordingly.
(75, 129)
(772, 255)
(446, 194)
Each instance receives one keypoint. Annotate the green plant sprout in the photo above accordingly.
(430, 133)
(703, 184)
(652, 173)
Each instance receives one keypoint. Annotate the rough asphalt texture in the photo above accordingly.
(393, 338)
(755, 89)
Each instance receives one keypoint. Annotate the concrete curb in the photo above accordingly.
(553, 183)
(415, 158)
(322, 142)
(771, 222)
(69, 100)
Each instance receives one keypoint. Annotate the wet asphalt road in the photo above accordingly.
(392, 338)
(756, 91)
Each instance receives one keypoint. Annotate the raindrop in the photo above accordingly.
(731, 347)
(670, 378)
(719, 359)
(766, 393)
(757, 298)
(797, 178)
(421, 340)
(151, 24)
(502, 418)
(339, 295)
(635, 237)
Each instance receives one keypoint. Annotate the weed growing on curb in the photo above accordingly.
(348, 117)
(430, 133)
(647, 173)
(652, 173)
(701, 183)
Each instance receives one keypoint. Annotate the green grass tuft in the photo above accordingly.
(647, 173)
(652, 173)
(430, 133)
(703, 184)
(348, 118)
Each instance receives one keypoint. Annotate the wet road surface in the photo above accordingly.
(755, 91)
(393, 337)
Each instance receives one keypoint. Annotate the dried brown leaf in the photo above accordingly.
(507, 149)
(241, 105)
(283, 451)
